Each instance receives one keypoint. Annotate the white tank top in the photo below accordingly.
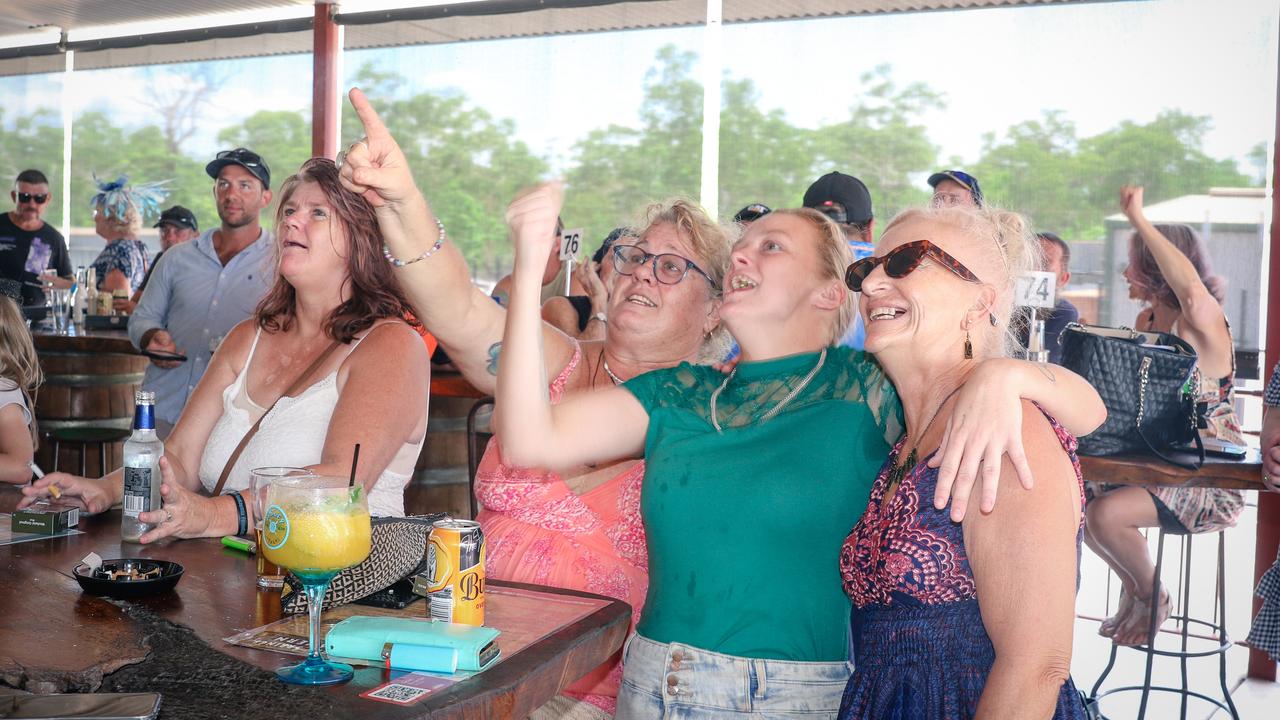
(292, 435)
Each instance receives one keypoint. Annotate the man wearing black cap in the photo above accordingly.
(845, 199)
(206, 286)
(955, 188)
(177, 225)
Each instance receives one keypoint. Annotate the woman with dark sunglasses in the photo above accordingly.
(941, 626)
(752, 478)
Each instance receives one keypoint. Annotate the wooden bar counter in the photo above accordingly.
(90, 379)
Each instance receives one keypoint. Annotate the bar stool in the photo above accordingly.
(1216, 629)
(477, 441)
(84, 437)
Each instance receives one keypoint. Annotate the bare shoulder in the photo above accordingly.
(234, 348)
(1050, 464)
(390, 342)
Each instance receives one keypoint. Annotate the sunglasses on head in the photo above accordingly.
(836, 214)
(240, 155)
(902, 261)
(39, 199)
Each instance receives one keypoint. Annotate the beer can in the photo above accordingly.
(455, 566)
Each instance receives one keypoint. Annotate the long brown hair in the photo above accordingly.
(375, 294)
(1151, 282)
(18, 361)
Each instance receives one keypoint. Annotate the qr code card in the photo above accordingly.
(407, 689)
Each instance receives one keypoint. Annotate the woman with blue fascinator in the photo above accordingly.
(118, 212)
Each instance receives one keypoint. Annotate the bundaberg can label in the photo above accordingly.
(455, 564)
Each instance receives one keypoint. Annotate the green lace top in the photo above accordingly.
(744, 526)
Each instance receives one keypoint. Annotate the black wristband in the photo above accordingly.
(242, 517)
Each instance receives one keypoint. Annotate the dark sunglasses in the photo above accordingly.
(40, 199)
(902, 261)
(242, 156)
(668, 268)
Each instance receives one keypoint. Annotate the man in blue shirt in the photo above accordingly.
(1057, 260)
(203, 288)
(846, 200)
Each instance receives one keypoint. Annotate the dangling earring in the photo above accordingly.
(968, 346)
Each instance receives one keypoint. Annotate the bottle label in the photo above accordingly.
(137, 490)
(144, 417)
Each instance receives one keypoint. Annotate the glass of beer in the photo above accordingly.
(269, 574)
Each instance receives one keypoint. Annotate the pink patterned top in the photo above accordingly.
(538, 530)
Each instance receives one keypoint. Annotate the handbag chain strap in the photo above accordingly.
(1142, 388)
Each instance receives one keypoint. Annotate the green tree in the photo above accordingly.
(467, 163)
(882, 142)
(618, 170)
(1034, 169)
(33, 141)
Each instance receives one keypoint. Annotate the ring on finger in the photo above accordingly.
(168, 516)
(342, 158)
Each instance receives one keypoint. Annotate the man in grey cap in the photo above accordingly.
(177, 225)
(205, 287)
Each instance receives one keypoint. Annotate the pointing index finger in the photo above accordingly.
(373, 127)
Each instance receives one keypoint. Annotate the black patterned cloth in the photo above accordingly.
(1265, 633)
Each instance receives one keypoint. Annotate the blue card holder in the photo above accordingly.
(414, 644)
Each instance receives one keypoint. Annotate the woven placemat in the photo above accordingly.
(198, 682)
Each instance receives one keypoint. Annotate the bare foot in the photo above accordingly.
(1123, 609)
(1136, 630)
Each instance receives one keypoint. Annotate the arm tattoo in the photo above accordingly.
(494, 350)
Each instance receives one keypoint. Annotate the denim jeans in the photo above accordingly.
(679, 682)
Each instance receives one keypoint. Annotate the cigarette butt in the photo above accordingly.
(35, 470)
(55, 491)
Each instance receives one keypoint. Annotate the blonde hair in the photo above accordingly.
(1014, 251)
(834, 257)
(18, 360)
(117, 227)
(711, 242)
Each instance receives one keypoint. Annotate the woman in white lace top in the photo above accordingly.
(333, 288)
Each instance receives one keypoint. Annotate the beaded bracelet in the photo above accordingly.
(242, 516)
(397, 262)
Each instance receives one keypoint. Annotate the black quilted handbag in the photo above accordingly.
(1146, 380)
(399, 550)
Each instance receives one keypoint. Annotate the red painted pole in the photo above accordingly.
(325, 94)
(1260, 665)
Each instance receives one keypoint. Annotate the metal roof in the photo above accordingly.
(1222, 206)
(123, 32)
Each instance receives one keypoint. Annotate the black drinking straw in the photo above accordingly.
(355, 458)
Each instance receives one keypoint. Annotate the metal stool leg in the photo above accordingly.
(1184, 581)
(1222, 608)
(1152, 628)
(57, 447)
(102, 459)
(84, 459)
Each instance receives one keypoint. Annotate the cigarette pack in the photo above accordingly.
(45, 519)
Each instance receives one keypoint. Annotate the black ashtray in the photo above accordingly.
(127, 578)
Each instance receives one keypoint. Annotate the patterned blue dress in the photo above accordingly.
(921, 650)
(127, 256)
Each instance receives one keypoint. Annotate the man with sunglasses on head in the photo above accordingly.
(206, 286)
(31, 250)
(845, 199)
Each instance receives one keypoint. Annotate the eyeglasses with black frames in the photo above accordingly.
(668, 268)
(902, 261)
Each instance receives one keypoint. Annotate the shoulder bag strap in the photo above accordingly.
(295, 387)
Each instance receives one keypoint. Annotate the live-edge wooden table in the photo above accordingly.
(54, 638)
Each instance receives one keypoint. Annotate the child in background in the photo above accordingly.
(19, 377)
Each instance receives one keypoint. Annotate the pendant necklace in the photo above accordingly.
(605, 361)
(715, 422)
(899, 470)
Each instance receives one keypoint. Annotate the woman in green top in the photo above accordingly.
(752, 479)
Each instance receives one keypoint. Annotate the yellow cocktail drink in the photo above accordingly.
(320, 541)
(315, 526)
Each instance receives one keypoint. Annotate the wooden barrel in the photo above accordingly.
(89, 383)
(441, 481)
